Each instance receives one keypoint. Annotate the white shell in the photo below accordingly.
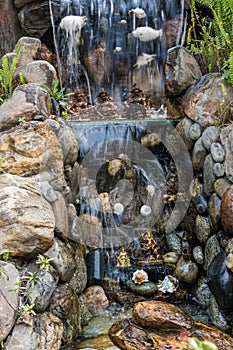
(168, 285)
(146, 33)
(142, 60)
(73, 24)
(140, 276)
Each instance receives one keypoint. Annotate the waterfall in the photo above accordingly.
(110, 45)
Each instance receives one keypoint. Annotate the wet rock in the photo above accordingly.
(212, 248)
(62, 259)
(195, 131)
(174, 243)
(86, 316)
(202, 228)
(186, 270)
(198, 255)
(221, 282)
(68, 141)
(198, 155)
(79, 280)
(183, 128)
(203, 293)
(200, 203)
(219, 169)
(96, 298)
(28, 100)
(61, 216)
(227, 210)
(43, 332)
(216, 315)
(146, 288)
(170, 258)
(208, 175)
(40, 72)
(226, 137)
(25, 217)
(161, 316)
(65, 305)
(214, 206)
(40, 293)
(181, 71)
(128, 336)
(8, 298)
(210, 135)
(35, 19)
(198, 103)
(221, 186)
(217, 151)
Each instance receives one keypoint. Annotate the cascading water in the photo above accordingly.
(113, 45)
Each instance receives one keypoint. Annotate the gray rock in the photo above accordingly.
(203, 293)
(65, 305)
(62, 259)
(198, 155)
(216, 315)
(210, 135)
(26, 218)
(214, 210)
(226, 137)
(186, 270)
(69, 143)
(30, 51)
(8, 298)
(174, 243)
(35, 18)
(79, 280)
(229, 247)
(221, 186)
(146, 288)
(183, 128)
(212, 248)
(208, 175)
(41, 292)
(61, 216)
(195, 131)
(198, 255)
(40, 72)
(86, 316)
(218, 152)
(198, 102)
(181, 71)
(42, 332)
(28, 100)
(219, 169)
(202, 228)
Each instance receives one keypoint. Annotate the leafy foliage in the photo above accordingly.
(210, 39)
(7, 75)
(59, 96)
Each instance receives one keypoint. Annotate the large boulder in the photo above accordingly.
(32, 149)
(203, 99)
(181, 71)
(26, 102)
(26, 218)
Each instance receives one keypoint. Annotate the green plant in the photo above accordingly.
(59, 96)
(4, 256)
(43, 262)
(21, 120)
(192, 343)
(210, 39)
(7, 75)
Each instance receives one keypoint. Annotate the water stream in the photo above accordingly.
(112, 45)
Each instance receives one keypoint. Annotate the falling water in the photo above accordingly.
(101, 45)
